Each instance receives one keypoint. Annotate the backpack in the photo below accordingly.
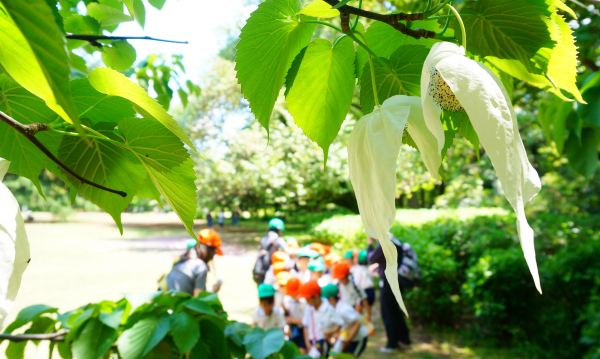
(409, 272)
(263, 262)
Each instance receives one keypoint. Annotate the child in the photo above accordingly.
(294, 311)
(282, 278)
(349, 258)
(353, 337)
(278, 260)
(320, 321)
(267, 315)
(317, 272)
(304, 256)
(349, 291)
(362, 277)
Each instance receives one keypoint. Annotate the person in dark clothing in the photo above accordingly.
(393, 318)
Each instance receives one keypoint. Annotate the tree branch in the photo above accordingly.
(53, 337)
(92, 39)
(29, 131)
(390, 19)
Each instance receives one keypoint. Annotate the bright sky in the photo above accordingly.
(201, 22)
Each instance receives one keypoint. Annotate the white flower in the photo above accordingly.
(14, 246)
(372, 154)
(451, 81)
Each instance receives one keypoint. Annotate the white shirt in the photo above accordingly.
(270, 277)
(362, 277)
(318, 321)
(304, 277)
(325, 279)
(351, 294)
(349, 316)
(266, 322)
(294, 307)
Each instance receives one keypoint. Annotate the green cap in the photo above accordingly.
(330, 291)
(362, 257)
(307, 252)
(276, 223)
(349, 254)
(265, 290)
(316, 265)
(190, 243)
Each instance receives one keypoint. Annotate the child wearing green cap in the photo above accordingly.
(362, 277)
(267, 316)
(353, 335)
(317, 272)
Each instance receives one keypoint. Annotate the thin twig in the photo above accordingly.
(53, 337)
(94, 38)
(387, 18)
(29, 131)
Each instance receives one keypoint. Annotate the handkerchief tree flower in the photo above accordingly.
(430, 88)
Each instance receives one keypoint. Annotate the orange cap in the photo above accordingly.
(309, 289)
(278, 267)
(331, 259)
(340, 270)
(283, 277)
(319, 247)
(211, 239)
(292, 286)
(355, 254)
(278, 256)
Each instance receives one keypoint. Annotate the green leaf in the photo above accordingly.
(94, 340)
(112, 83)
(212, 343)
(183, 96)
(149, 190)
(401, 77)
(236, 331)
(140, 12)
(80, 24)
(114, 318)
(15, 350)
(161, 351)
(289, 350)
(99, 107)
(138, 340)
(468, 132)
(168, 165)
(261, 344)
(319, 8)
(28, 314)
(383, 40)
(26, 159)
(561, 5)
(106, 164)
(200, 306)
(584, 157)
(107, 15)
(119, 56)
(509, 29)
(269, 42)
(184, 330)
(319, 89)
(129, 6)
(158, 4)
(590, 113)
(77, 62)
(33, 53)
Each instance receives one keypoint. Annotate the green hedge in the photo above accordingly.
(475, 277)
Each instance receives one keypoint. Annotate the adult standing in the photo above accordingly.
(393, 318)
(189, 274)
(221, 218)
(209, 220)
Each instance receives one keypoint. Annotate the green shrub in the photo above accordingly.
(475, 276)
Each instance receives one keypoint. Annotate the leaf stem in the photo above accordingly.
(375, 96)
(462, 25)
(103, 138)
(437, 8)
(93, 106)
(445, 25)
(26, 131)
(428, 6)
(356, 17)
(324, 24)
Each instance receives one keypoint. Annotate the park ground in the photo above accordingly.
(87, 260)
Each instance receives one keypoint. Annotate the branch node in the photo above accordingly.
(345, 19)
(416, 33)
(36, 127)
(394, 18)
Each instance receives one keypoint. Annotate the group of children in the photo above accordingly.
(321, 301)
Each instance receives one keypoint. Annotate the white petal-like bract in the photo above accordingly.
(373, 150)
(484, 98)
(14, 246)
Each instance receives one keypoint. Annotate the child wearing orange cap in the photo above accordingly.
(294, 311)
(320, 320)
(190, 272)
(278, 264)
(349, 291)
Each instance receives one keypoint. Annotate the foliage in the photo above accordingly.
(474, 276)
(157, 325)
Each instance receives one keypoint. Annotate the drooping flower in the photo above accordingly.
(373, 150)
(14, 246)
(455, 83)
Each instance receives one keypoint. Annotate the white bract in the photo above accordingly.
(452, 82)
(14, 246)
(373, 150)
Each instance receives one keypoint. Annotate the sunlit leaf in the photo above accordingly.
(99, 107)
(144, 335)
(120, 55)
(107, 15)
(320, 9)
